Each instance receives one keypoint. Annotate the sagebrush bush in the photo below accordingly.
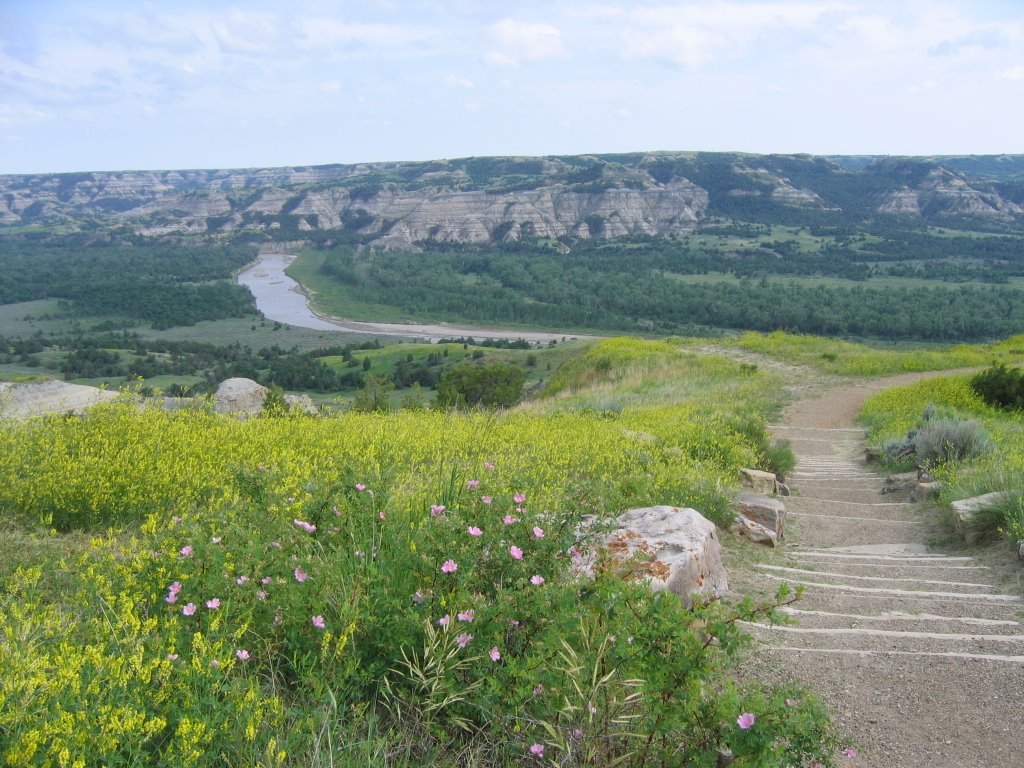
(940, 441)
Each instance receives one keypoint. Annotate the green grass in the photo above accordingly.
(383, 361)
(336, 299)
(856, 359)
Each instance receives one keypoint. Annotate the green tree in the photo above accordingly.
(498, 385)
(373, 396)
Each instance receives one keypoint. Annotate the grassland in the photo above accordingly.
(381, 589)
(858, 359)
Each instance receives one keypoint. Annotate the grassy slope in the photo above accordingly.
(676, 432)
(854, 359)
(893, 413)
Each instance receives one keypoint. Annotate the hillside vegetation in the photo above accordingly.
(926, 249)
(891, 415)
(387, 589)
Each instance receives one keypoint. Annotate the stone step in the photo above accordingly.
(867, 603)
(896, 593)
(888, 640)
(910, 552)
(831, 530)
(902, 621)
(878, 700)
(841, 508)
(861, 518)
(995, 654)
(859, 432)
(923, 572)
(864, 496)
(800, 477)
(878, 580)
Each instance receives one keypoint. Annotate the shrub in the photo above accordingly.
(498, 385)
(1000, 387)
(779, 458)
(940, 441)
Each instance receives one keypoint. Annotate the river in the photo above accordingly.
(282, 299)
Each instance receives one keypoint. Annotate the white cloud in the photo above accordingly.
(519, 41)
(330, 33)
(330, 86)
(1013, 73)
(692, 35)
(454, 81)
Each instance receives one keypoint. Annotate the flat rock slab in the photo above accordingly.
(38, 399)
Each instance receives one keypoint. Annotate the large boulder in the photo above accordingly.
(670, 548)
(239, 396)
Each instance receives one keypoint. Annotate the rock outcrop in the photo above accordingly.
(46, 397)
(481, 200)
(670, 548)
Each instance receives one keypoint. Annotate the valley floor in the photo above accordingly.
(919, 650)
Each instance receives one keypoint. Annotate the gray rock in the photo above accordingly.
(755, 532)
(765, 511)
(301, 404)
(240, 396)
(671, 548)
(41, 398)
(758, 481)
(900, 483)
(965, 510)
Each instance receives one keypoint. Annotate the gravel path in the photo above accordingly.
(920, 653)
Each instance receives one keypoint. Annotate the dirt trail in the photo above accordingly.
(918, 651)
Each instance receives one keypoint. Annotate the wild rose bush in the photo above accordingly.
(245, 633)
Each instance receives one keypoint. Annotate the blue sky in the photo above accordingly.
(93, 85)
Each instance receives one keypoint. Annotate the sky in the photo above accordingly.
(94, 85)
